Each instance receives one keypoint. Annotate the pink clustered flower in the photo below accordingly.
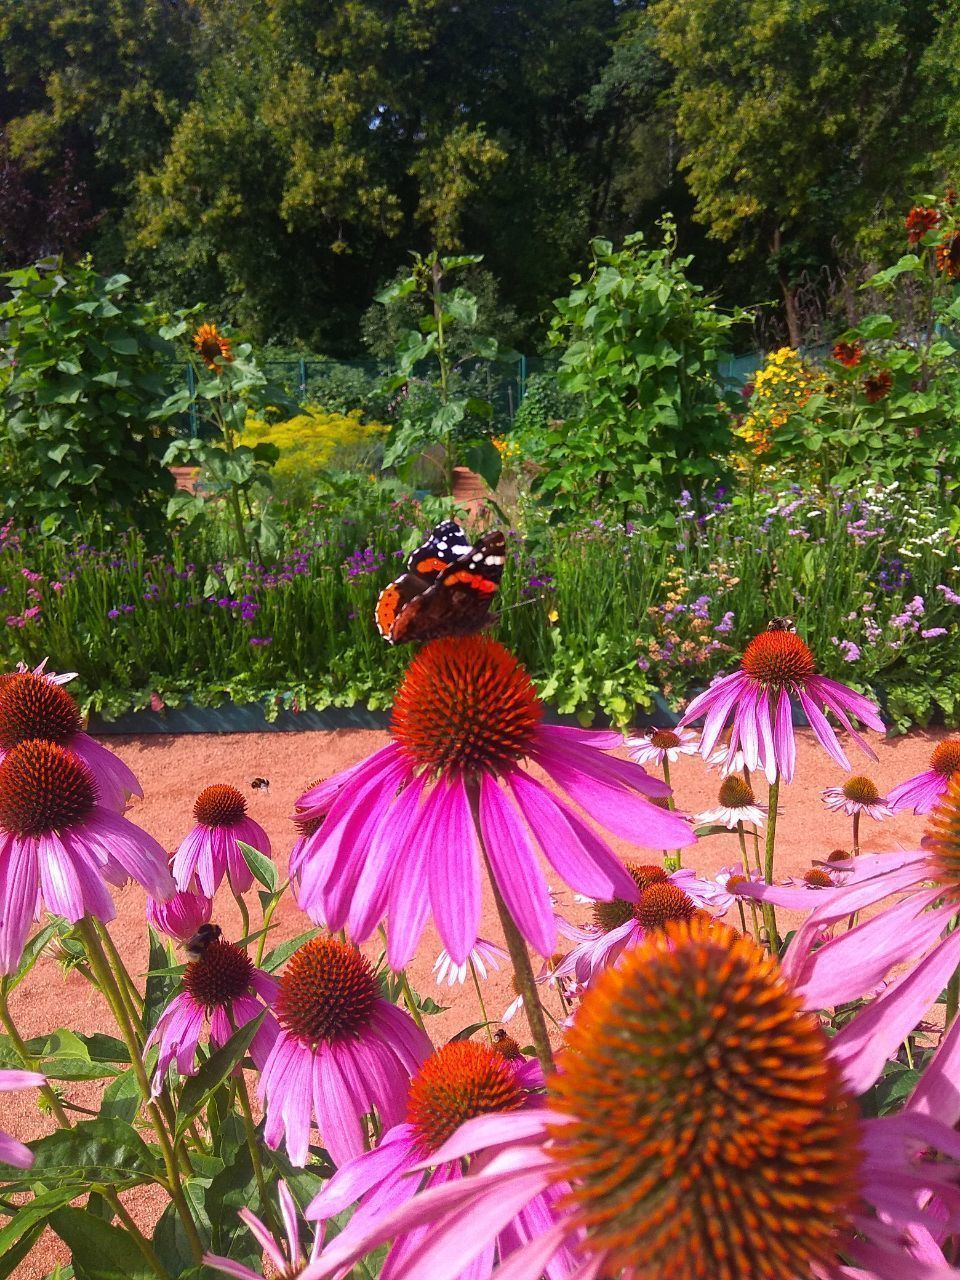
(212, 848)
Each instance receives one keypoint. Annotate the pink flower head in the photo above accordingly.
(658, 745)
(59, 845)
(857, 795)
(211, 849)
(399, 839)
(291, 1263)
(482, 955)
(923, 791)
(465, 1103)
(34, 705)
(756, 700)
(736, 803)
(920, 891)
(221, 986)
(342, 1052)
(703, 1127)
(12, 1151)
(619, 925)
(180, 916)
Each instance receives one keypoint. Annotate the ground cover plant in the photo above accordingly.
(288, 1101)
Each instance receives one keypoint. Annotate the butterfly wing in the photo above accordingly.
(458, 602)
(446, 545)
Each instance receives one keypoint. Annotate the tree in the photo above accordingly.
(798, 118)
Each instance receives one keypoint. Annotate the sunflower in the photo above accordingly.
(919, 221)
(877, 385)
(212, 346)
(948, 254)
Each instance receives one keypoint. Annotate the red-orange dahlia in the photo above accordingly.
(919, 221)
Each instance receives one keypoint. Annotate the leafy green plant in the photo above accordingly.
(84, 419)
(641, 346)
(439, 414)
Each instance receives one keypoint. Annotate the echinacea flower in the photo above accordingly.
(703, 1125)
(848, 354)
(877, 386)
(923, 888)
(211, 849)
(465, 1102)
(400, 838)
(180, 916)
(919, 221)
(858, 795)
(34, 705)
(662, 744)
(289, 1264)
(756, 700)
(619, 925)
(482, 954)
(222, 987)
(58, 844)
(922, 791)
(342, 1052)
(212, 347)
(736, 803)
(12, 1151)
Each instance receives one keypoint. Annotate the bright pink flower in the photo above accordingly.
(756, 700)
(923, 791)
(399, 839)
(465, 1102)
(12, 1151)
(34, 705)
(704, 1128)
(857, 795)
(289, 1264)
(59, 845)
(211, 849)
(342, 1052)
(223, 987)
(180, 916)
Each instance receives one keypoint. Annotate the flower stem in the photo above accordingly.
(244, 913)
(267, 917)
(856, 833)
(483, 1007)
(111, 993)
(673, 859)
(408, 996)
(520, 957)
(769, 911)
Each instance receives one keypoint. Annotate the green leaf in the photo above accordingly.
(466, 1032)
(107, 1151)
(121, 1098)
(32, 952)
(263, 870)
(160, 984)
(28, 1216)
(197, 1089)
(275, 958)
(98, 1250)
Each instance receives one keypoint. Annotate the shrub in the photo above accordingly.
(317, 440)
(82, 382)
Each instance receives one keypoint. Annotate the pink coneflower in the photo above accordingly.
(211, 850)
(776, 667)
(59, 844)
(619, 925)
(34, 705)
(658, 745)
(289, 1264)
(180, 916)
(12, 1151)
(400, 840)
(342, 1052)
(736, 803)
(221, 986)
(924, 887)
(923, 791)
(465, 1102)
(857, 796)
(704, 1127)
(482, 955)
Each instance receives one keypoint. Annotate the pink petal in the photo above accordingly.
(784, 741)
(594, 764)
(14, 1152)
(490, 1131)
(62, 886)
(823, 731)
(19, 897)
(359, 1176)
(388, 849)
(409, 905)
(515, 868)
(936, 1093)
(453, 873)
(338, 1115)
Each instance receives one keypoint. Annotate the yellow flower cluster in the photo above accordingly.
(507, 448)
(781, 387)
(317, 439)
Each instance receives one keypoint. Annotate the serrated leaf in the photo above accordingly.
(108, 1151)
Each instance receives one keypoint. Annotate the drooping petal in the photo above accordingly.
(19, 897)
(116, 782)
(142, 858)
(595, 764)
(388, 849)
(784, 741)
(516, 869)
(453, 872)
(63, 888)
(937, 1093)
(823, 730)
(286, 1085)
(339, 1117)
(409, 906)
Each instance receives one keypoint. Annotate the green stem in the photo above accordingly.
(769, 911)
(267, 917)
(409, 1001)
(250, 1130)
(131, 996)
(520, 957)
(238, 520)
(111, 993)
(953, 987)
(856, 833)
(139, 1239)
(244, 913)
(483, 1007)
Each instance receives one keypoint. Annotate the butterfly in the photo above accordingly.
(446, 589)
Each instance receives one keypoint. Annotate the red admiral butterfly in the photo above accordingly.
(447, 588)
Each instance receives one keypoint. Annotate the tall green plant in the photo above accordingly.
(83, 379)
(641, 349)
